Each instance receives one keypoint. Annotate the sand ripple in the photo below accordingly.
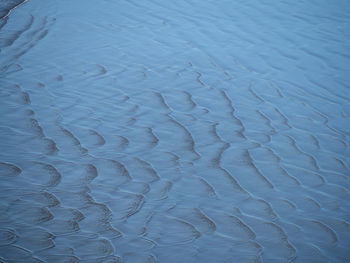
(185, 131)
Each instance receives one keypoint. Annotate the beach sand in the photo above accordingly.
(175, 131)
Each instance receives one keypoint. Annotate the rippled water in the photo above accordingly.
(175, 131)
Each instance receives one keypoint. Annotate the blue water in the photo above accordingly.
(187, 131)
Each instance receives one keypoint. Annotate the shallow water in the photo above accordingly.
(193, 131)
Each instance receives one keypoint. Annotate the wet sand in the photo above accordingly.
(193, 131)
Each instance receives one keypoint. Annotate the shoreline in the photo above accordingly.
(8, 10)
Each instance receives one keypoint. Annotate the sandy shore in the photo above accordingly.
(186, 131)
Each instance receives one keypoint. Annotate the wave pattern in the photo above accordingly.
(197, 132)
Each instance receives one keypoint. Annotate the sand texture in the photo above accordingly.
(175, 131)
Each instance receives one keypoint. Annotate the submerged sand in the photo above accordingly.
(184, 131)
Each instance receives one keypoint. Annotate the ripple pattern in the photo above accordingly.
(186, 131)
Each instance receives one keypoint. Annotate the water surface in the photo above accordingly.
(187, 131)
